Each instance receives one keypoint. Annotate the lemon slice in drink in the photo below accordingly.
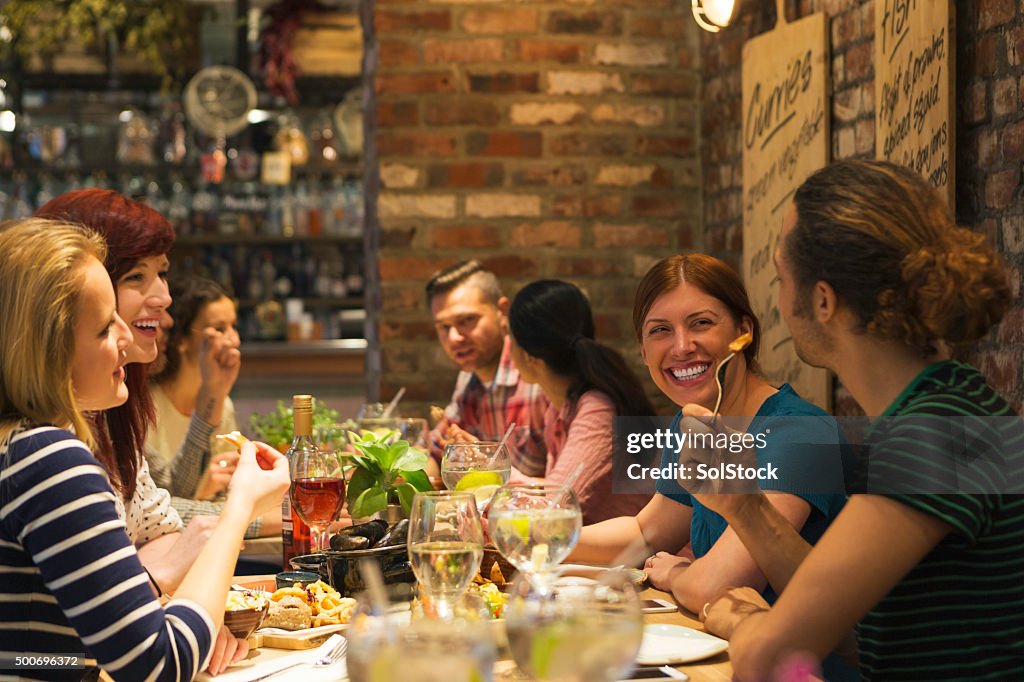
(484, 494)
(478, 479)
(520, 525)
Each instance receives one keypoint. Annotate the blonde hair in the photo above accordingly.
(42, 275)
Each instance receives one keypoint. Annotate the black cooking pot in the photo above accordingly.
(342, 567)
(314, 563)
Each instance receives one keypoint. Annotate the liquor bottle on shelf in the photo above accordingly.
(295, 538)
(179, 208)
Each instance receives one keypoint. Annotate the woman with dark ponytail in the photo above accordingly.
(587, 383)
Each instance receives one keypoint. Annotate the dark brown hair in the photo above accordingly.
(714, 277)
(190, 295)
(132, 231)
(465, 272)
(885, 241)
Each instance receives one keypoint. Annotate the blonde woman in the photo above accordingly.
(72, 581)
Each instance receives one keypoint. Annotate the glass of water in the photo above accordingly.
(445, 545)
(535, 527)
(575, 630)
(389, 645)
(480, 467)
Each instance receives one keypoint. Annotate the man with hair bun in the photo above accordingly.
(471, 319)
(878, 284)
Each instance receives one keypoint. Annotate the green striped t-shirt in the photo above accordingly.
(959, 614)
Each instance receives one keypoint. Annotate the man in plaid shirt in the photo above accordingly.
(469, 314)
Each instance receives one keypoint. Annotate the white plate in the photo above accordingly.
(637, 576)
(673, 644)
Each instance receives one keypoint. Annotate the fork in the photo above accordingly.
(735, 346)
(335, 654)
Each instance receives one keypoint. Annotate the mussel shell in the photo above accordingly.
(396, 535)
(372, 530)
(343, 542)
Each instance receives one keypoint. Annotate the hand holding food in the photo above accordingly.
(261, 478)
(234, 438)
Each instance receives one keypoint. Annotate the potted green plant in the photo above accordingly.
(387, 471)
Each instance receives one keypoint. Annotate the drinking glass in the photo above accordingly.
(331, 438)
(445, 545)
(372, 411)
(535, 527)
(573, 631)
(480, 467)
(387, 645)
(414, 430)
(317, 492)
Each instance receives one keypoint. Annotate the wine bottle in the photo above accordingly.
(295, 538)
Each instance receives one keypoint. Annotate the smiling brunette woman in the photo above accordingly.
(686, 311)
(73, 585)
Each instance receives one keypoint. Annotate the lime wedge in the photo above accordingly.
(544, 646)
(476, 479)
(520, 526)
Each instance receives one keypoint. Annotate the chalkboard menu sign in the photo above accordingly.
(914, 88)
(785, 138)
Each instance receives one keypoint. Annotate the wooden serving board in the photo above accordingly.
(309, 638)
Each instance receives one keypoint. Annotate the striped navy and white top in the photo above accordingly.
(70, 581)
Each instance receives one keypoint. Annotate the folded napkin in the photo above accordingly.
(267, 661)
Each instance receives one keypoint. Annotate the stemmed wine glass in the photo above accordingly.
(480, 467)
(535, 527)
(445, 545)
(317, 491)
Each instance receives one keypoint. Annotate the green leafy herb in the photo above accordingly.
(275, 428)
(386, 470)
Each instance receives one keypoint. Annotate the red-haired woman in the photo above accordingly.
(138, 239)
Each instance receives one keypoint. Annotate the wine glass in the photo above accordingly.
(317, 491)
(480, 467)
(535, 527)
(411, 429)
(445, 545)
(572, 631)
(331, 438)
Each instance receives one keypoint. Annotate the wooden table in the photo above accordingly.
(266, 548)
(714, 669)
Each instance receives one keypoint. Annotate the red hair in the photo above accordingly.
(133, 231)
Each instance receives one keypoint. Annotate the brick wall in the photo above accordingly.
(548, 139)
(989, 139)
